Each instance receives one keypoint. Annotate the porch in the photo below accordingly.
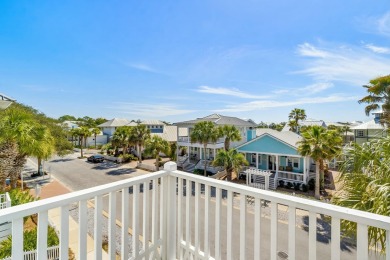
(185, 216)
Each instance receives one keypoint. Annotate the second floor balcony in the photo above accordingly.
(171, 214)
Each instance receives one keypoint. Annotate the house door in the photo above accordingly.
(271, 162)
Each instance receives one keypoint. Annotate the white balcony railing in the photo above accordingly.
(186, 139)
(176, 215)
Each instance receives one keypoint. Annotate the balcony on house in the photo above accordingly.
(171, 214)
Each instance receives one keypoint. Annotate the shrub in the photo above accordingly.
(304, 187)
(128, 157)
(289, 185)
(297, 185)
(311, 184)
(29, 241)
(281, 183)
(201, 172)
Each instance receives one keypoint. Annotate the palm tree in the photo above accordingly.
(155, 146)
(320, 144)
(231, 160)
(44, 147)
(295, 115)
(231, 134)
(121, 136)
(95, 131)
(204, 133)
(364, 179)
(139, 134)
(378, 97)
(83, 133)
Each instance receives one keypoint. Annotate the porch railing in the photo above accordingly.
(177, 215)
(291, 176)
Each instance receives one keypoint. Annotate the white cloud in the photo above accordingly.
(153, 111)
(378, 49)
(228, 92)
(143, 67)
(309, 50)
(307, 91)
(264, 104)
(384, 24)
(348, 64)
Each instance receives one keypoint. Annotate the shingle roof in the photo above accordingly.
(219, 120)
(115, 122)
(152, 122)
(368, 125)
(288, 137)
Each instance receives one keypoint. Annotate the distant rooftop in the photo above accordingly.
(288, 137)
(219, 120)
(115, 122)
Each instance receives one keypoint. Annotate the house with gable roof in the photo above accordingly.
(277, 152)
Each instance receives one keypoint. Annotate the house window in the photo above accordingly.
(253, 160)
(293, 162)
(359, 133)
(260, 159)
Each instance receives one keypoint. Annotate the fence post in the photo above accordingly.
(170, 212)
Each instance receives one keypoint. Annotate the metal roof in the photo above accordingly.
(219, 120)
(368, 125)
(115, 122)
(288, 137)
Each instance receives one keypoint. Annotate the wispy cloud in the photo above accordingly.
(228, 92)
(349, 64)
(142, 110)
(142, 67)
(264, 104)
(377, 49)
(384, 24)
(307, 90)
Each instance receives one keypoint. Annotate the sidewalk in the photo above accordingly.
(55, 188)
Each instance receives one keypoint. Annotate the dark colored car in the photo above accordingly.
(96, 158)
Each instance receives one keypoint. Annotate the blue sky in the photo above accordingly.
(178, 60)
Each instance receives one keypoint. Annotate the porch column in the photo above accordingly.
(257, 161)
(188, 151)
(305, 170)
(277, 163)
(200, 154)
(214, 155)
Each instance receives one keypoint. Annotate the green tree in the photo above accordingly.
(295, 116)
(66, 118)
(156, 145)
(231, 160)
(320, 144)
(121, 137)
(365, 184)
(231, 134)
(83, 133)
(95, 131)
(378, 97)
(139, 134)
(204, 133)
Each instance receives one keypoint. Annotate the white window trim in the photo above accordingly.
(359, 133)
(292, 162)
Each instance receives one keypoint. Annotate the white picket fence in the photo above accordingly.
(53, 253)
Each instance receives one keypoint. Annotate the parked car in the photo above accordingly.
(96, 158)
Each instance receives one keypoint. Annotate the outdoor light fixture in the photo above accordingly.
(5, 101)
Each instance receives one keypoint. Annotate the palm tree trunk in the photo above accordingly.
(95, 141)
(39, 165)
(205, 162)
(317, 186)
(227, 144)
(81, 151)
(321, 175)
(157, 162)
(229, 173)
(139, 153)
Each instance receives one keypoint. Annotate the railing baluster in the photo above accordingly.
(312, 235)
(188, 218)
(291, 232)
(112, 225)
(171, 213)
(135, 221)
(197, 195)
(229, 226)
(257, 230)
(217, 223)
(42, 235)
(274, 230)
(242, 226)
(98, 226)
(125, 224)
(154, 215)
(145, 221)
(179, 217)
(388, 244)
(162, 201)
(17, 238)
(64, 233)
(335, 239)
(362, 241)
(83, 230)
(206, 221)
